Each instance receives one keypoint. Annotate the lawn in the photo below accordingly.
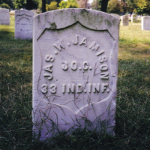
(133, 97)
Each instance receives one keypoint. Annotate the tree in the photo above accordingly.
(147, 8)
(123, 6)
(32, 4)
(51, 6)
(114, 6)
(72, 4)
(43, 6)
(10, 3)
(62, 4)
(49, 1)
(20, 4)
(4, 5)
(100, 5)
(138, 6)
(68, 4)
(104, 4)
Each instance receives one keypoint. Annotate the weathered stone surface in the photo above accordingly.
(115, 15)
(75, 54)
(34, 11)
(23, 24)
(4, 16)
(145, 23)
(133, 18)
(125, 20)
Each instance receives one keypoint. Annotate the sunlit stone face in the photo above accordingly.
(75, 74)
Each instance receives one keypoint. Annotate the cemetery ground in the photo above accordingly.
(133, 97)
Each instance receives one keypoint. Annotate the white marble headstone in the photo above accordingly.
(145, 23)
(23, 24)
(75, 63)
(125, 20)
(34, 11)
(133, 18)
(4, 16)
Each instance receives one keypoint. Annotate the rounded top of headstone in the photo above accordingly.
(24, 11)
(91, 19)
(4, 9)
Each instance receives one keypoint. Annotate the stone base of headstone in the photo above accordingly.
(75, 65)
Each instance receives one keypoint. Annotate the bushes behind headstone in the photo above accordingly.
(4, 5)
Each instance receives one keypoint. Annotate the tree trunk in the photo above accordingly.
(29, 4)
(43, 6)
(104, 5)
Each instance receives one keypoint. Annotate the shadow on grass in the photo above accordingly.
(132, 115)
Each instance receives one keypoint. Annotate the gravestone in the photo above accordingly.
(133, 18)
(75, 53)
(23, 24)
(145, 23)
(116, 15)
(34, 11)
(124, 20)
(4, 16)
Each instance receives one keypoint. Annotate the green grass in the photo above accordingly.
(133, 97)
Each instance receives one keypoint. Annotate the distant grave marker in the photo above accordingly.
(125, 20)
(145, 23)
(133, 18)
(4, 16)
(23, 24)
(34, 11)
(75, 63)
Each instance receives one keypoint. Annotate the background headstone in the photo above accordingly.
(75, 53)
(4, 16)
(23, 24)
(133, 18)
(34, 11)
(125, 20)
(145, 22)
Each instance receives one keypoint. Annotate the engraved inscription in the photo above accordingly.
(91, 87)
(24, 23)
(75, 66)
(49, 68)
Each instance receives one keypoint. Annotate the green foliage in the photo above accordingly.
(147, 8)
(68, 4)
(51, 6)
(20, 4)
(8, 2)
(49, 1)
(62, 4)
(4, 5)
(40, 5)
(113, 6)
(139, 6)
